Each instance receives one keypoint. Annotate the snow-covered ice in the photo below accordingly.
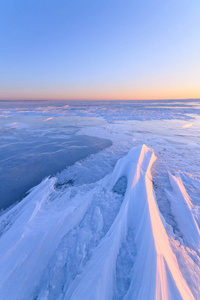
(120, 223)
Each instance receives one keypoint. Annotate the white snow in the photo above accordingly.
(17, 125)
(155, 273)
(119, 224)
(186, 215)
(34, 229)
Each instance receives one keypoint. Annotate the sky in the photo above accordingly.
(99, 49)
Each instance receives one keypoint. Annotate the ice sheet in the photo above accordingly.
(117, 225)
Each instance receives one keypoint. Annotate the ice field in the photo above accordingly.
(100, 200)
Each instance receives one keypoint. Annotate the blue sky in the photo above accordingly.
(99, 49)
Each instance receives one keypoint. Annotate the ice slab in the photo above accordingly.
(129, 258)
(24, 163)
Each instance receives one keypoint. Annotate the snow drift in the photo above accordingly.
(128, 258)
(155, 273)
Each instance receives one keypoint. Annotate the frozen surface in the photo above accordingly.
(26, 160)
(118, 224)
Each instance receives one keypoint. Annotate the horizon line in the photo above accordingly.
(161, 99)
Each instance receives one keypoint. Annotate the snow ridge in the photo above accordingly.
(186, 215)
(116, 247)
(155, 273)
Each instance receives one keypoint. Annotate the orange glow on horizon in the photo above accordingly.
(146, 92)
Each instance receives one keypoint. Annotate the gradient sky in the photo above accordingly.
(99, 49)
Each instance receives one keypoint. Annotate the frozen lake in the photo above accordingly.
(126, 179)
(27, 159)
